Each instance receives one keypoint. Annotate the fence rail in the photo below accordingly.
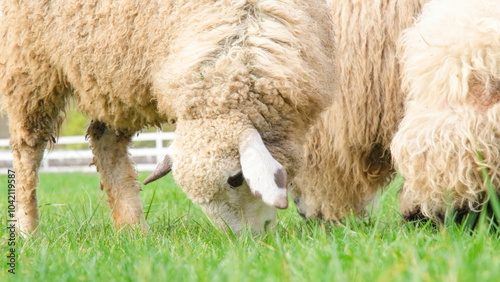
(61, 160)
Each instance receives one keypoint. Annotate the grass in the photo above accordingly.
(78, 242)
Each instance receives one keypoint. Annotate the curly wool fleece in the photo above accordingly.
(214, 67)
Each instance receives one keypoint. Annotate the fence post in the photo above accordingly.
(159, 147)
(45, 161)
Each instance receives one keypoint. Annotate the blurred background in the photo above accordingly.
(72, 153)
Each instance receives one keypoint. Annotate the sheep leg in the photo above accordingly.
(118, 176)
(34, 120)
(27, 159)
(30, 133)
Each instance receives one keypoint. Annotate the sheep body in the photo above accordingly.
(217, 68)
(451, 74)
(347, 151)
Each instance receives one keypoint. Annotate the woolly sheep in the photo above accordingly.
(451, 74)
(347, 151)
(242, 80)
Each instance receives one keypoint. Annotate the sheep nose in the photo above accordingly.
(267, 224)
(236, 180)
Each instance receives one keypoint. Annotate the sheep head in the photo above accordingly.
(226, 168)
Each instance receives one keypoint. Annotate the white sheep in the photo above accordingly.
(242, 80)
(451, 129)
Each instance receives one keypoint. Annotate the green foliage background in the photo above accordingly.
(75, 122)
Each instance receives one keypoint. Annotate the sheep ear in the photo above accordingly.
(162, 169)
(265, 176)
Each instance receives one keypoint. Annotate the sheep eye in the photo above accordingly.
(236, 180)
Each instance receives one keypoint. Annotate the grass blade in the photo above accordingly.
(493, 196)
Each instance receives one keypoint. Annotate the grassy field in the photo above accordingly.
(78, 242)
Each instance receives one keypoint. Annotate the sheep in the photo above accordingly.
(243, 80)
(451, 128)
(347, 154)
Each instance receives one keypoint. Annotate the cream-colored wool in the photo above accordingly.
(347, 151)
(451, 74)
(216, 68)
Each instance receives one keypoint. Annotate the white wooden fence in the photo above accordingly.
(69, 160)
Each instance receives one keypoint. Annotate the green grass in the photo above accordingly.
(78, 242)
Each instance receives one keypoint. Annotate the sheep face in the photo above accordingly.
(238, 208)
(450, 133)
(225, 167)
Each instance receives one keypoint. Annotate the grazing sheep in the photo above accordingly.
(451, 74)
(347, 151)
(242, 79)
